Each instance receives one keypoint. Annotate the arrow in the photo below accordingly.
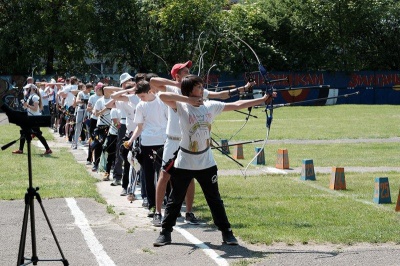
(314, 100)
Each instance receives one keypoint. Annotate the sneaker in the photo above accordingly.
(123, 192)
(88, 163)
(116, 182)
(151, 212)
(163, 239)
(228, 238)
(145, 203)
(48, 152)
(191, 219)
(106, 177)
(94, 168)
(157, 220)
(17, 152)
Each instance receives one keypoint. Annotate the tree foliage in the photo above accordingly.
(57, 36)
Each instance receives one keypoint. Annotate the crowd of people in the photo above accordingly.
(149, 130)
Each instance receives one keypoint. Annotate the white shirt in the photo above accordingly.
(129, 109)
(69, 100)
(154, 116)
(195, 124)
(114, 114)
(83, 96)
(33, 98)
(173, 128)
(92, 100)
(105, 119)
(45, 97)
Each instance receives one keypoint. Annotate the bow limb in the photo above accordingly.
(156, 55)
(268, 89)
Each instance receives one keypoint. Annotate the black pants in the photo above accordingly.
(119, 160)
(92, 126)
(97, 143)
(149, 172)
(208, 180)
(110, 148)
(35, 131)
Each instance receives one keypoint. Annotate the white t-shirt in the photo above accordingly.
(105, 119)
(83, 96)
(69, 100)
(51, 92)
(173, 129)
(154, 116)
(33, 98)
(120, 106)
(43, 94)
(130, 110)
(195, 124)
(92, 100)
(114, 114)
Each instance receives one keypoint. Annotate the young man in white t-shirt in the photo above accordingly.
(126, 101)
(151, 118)
(178, 72)
(103, 124)
(98, 93)
(81, 101)
(195, 158)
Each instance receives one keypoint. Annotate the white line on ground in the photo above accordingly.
(273, 170)
(94, 245)
(206, 249)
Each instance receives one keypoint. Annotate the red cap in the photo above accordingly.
(178, 67)
(60, 80)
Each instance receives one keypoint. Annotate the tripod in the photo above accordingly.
(30, 195)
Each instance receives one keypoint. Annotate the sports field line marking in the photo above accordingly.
(206, 249)
(93, 243)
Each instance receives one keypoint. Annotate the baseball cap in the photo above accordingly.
(175, 69)
(59, 80)
(124, 77)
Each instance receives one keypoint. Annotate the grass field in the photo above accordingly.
(269, 208)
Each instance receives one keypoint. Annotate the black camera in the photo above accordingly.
(85, 101)
(22, 119)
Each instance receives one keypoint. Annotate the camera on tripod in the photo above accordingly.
(22, 119)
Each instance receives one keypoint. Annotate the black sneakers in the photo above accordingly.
(191, 219)
(229, 238)
(163, 239)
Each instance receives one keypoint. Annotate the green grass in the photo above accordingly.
(268, 208)
(276, 208)
(316, 123)
(324, 155)
(329, 123)
(57, 176)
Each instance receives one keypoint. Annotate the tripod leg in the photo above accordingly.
(39, 199)
(34, 258)
(22, 241)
